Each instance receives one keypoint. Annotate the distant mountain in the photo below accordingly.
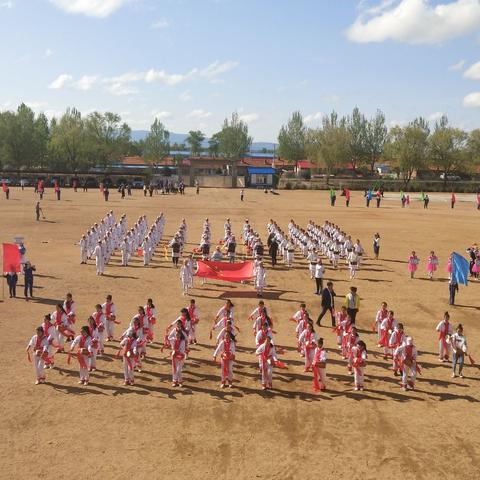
(181, 137)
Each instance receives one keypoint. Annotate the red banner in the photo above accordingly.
(228, 272)
(11, 258)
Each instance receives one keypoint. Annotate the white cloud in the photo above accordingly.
(120, 89)
(216, 68)
(48, 53)
(416, 21)
(473, 72)
(163, 23)
(6, 5)
(86, 82)
(472, 100)
(433, 117)
(457, 66)
(313, 117)
(91, 8)
(249, 117)
(36, 105)
(199, 113)
(162, 76)
(61, 81)
(163, 115)
(185, 96)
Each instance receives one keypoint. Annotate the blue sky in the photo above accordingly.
(192, 62)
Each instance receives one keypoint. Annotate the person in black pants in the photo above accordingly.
(453, 289)
(12, 279)
(272, 250)
(328, 303)
(28, 270)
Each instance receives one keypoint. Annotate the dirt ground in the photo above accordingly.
(152, 430)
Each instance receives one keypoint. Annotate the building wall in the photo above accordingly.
(218, 181)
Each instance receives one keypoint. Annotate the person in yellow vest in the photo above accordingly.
(352, 302)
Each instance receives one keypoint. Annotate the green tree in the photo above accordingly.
(328, 146)
(376, 133)
(68, 142)
(234, 142)
(214, 145)
(474, 146)
(448, 149)
(291, 139)
(42, 139)
(157, 143)
(357, 127)
(194, 140)
(107, 137)
(408, 148)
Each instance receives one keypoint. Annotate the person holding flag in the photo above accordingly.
(459, 269)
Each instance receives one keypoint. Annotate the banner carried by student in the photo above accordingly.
(11, 258)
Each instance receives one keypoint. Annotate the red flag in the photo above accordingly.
(4, 186)
(11, 258)
(229, 272)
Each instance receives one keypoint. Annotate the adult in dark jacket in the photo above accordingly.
(12, 279)
(28, 270)
(328, 303)
(272, 250)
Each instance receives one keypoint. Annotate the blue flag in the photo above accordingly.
(460, 269)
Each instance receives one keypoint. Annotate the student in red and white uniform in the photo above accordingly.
(222, 323)
(267, 357)
(179, 348)
(340, 324)
(319, 367)
(141, 339)
(445, 330)
(94, 343)
(185, 321)
(407, 359)
(101, 323)
(349, 336)
(301, 314)
(83, 345)
(40, 346)
(382, 314)
(151, 318)
(52, 335)
(257, 312)
(70, 308)
(264, 333)
(359, 357)
(387, 326)
(308, 342)
(194, 314)
(60, 320)
(226, 310)
(129, 353)
(226, 350)
(110, 311)
(396, 340)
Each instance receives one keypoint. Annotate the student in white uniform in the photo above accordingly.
(459, 350)
(226, 350)
(83, 346)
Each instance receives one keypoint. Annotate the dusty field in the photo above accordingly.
(152, 430)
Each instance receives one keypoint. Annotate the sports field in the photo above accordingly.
(151, 430)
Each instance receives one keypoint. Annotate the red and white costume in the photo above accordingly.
(268, 356)
(319, 369)
(110, 312)
(382, 314)
(226, 350)
(60, 320)
(406, 355)
(358, 357)
(178, 359)
(70, 308)
(150, 321)
(194, 313)
(387, 326)
(396, 340)
(340, 319)
(83, 344)
(40, 346)
(307, 341)
(129, 354)
(101, 323)
(445, 330)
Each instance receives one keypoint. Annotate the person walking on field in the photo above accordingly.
(352, 302)
(28, 270)
(453, 200)
(376, 245)
(328, 303)
(39, 210)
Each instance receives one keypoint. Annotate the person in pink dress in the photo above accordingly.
(432, 264)
(413, 262)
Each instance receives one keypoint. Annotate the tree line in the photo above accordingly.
(74, 142)
(359, 142)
